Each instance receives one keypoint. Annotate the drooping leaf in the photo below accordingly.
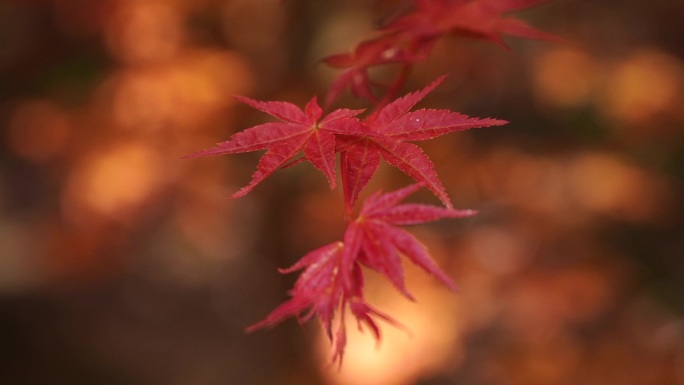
(316, 288)
(320, 291)
(332, 281)
(377, 220)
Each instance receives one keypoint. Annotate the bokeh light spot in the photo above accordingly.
(115, 183)
(565, 77)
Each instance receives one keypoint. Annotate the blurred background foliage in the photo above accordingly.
(120, 263)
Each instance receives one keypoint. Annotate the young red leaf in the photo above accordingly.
(356, 65)
(370, 52)
(299, 131)
(383, 50)
(357, 80)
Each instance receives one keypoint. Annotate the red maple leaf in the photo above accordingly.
(299, 130)
(384, 134)
(387, 134)
(476, 18)
(333, 280)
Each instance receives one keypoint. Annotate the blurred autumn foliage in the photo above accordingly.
(120, 263)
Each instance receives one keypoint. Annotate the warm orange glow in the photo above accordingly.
(541, 178)
(401, 357)
(604, 183)
(565, 77)
(586, 184)
(644, 85)
(140, 31)
(137, 264)
(115, 183)
(181, 94)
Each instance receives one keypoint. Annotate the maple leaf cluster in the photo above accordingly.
(332, 280)
(331, 284)
(362, 143)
